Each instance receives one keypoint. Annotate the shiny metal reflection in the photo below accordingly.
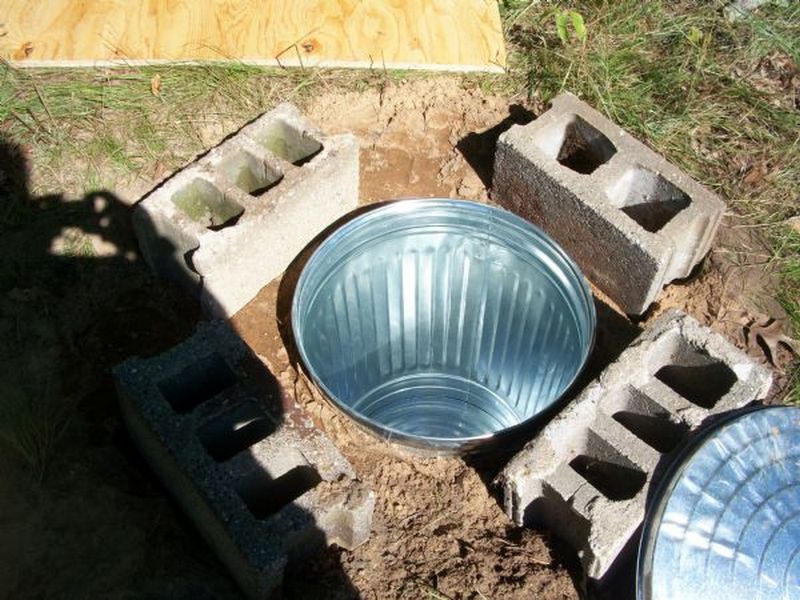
(728, 521)
(439, 323)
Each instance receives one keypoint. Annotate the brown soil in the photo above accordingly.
(92, 522)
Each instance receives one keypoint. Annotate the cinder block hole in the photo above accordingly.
(204, 203)
(289, 143)
(250, 174)
(576, 144)
(551, 511)
(613, 475)
(227, 434)
(188, 258)
(265, 496)
(647, 420)
(655, 430)
(698, 377)
(198, 382)
(647, 198)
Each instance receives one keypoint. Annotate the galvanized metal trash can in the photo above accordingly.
(440, 324)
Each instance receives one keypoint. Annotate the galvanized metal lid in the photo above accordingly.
(728, 521)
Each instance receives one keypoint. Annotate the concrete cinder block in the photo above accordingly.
(230, 222)
(588, 475)
(261, 484)
(633, 221)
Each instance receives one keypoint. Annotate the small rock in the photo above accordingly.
(739, 9)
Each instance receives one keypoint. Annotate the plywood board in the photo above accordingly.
(431, 34)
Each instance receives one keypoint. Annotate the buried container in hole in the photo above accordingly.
(440, 324)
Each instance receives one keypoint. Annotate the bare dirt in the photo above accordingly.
(90, 521)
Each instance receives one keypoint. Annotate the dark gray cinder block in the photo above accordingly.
(261, 484)
(633, 221)
(587, 475)
(230, 222)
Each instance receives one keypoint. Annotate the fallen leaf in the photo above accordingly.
(779, 67)
(155, 85)
(763, 334)
(756, 174)
(771, 335)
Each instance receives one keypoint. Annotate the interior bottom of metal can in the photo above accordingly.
(436, 405)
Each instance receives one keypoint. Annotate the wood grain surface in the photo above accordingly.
(459, 35)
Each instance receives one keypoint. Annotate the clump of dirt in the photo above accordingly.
(436, 529)
(419, 139)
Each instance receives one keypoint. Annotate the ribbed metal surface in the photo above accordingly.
(728, 522)
(442, 322)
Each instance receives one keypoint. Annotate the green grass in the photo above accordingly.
(31, 424)
(33, 412)
(700, 90)
(673, 76)
(114, 125)
(111, 121)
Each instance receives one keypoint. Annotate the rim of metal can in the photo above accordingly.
(368, 226)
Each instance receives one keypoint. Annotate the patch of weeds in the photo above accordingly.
(31, 423)
(119, 116)
(152, 143)
(11, 274)
(773, 27)
(13, 185)
(94, 179)
(108, 146)
(77, 245)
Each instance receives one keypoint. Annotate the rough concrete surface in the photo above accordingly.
(588, 475)
(740, 8)
(228, 223)
(633, 221)
(260, 483)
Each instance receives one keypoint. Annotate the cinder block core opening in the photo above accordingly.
(250, 174)
(648, 421)
(289, 143)
(197, 382)
(703, 385)
(204, 203)
(698, 377)
(265, 496)
(550, 510)
(613, 475)
(227, 434)
(576, 144)
(647, 198)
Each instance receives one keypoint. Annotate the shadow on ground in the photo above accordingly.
(478, 148)
(81, 513)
